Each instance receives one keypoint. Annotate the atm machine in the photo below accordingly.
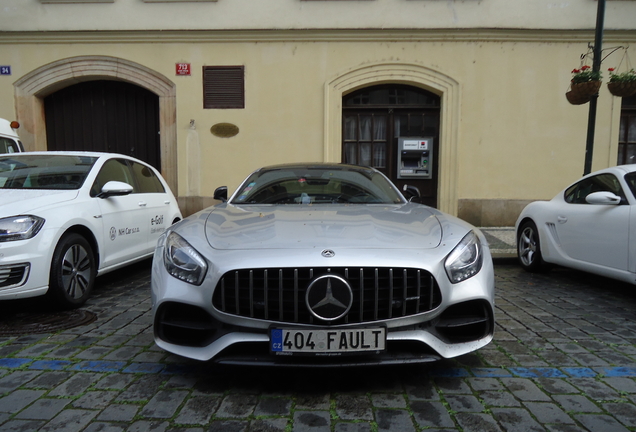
(415, 158)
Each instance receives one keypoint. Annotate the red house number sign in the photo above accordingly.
(183, 68)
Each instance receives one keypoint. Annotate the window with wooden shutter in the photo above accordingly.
(223, 86)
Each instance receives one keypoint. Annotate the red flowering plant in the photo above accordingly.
(585, 74)
(624, 77)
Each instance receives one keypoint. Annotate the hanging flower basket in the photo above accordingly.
(622, 89)
(622, 84)
(587, 89)
(584, 84)
(576, 98)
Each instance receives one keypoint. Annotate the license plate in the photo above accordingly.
(289, 341)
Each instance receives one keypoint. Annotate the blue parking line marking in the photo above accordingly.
(538, 372)
(182, 369)
(580, 372)
(619, 371)
(14, 363)
(99, 366)
(50, 364)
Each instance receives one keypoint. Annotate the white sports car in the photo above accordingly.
(589, 226)
(318, 265)
(66, 217)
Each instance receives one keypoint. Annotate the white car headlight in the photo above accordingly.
(183, 261)
(465, 260)
(19, 227)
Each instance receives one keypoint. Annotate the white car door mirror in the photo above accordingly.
(115, 188)
(603, 198)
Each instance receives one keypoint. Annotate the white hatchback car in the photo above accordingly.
(588, 226)
(67, 217)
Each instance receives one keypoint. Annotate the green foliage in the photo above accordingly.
(585, 74)
(624, 77)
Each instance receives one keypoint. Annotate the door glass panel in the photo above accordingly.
(365, 154)
(416, 125)
(379, 155)
(379, 128)
(350, 128)
(631, 154)
(401, 125)
(631, 135)
(365, 128)
(350, 153)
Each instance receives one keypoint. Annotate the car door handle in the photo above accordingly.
(142, 204)
(562, 219)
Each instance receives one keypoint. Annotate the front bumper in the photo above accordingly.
(187, 324)
(25, 266)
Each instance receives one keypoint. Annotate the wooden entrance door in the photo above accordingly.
(106, 116)
(373, 120)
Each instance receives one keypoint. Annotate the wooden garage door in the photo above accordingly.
(109, 116)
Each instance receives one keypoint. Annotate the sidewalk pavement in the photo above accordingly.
(502, 241)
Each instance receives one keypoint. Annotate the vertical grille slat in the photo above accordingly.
(279, 293)
(295, 295)
(265, 294)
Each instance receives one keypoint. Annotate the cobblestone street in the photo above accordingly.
(563, 359)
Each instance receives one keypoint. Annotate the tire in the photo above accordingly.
(529, 248)
(73, 272)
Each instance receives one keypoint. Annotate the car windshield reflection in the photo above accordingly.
(315, 185)
(44, 171)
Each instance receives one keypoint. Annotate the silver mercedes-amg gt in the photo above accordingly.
(321, 265)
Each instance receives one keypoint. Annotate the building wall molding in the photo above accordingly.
(320, 35)
(410, 74)
(32, 88)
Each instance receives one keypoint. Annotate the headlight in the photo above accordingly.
(183, 261)
(19, 227)
(465, 260)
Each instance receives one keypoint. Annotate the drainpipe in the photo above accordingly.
(596, 67)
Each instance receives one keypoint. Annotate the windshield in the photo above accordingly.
(317, 185)
(44, 171)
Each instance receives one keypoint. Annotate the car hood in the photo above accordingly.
(230, 227)
(26, 201)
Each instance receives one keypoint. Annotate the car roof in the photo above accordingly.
(6, 130)
(317, 165)
(75, 153)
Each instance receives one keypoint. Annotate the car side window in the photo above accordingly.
(577, 193)
(113, 170)
(8, 146)
(146, 179)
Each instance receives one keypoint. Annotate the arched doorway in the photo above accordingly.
(377, 119)
(102, 115)
(32, 88)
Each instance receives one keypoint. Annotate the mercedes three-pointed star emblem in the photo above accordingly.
(329, 297)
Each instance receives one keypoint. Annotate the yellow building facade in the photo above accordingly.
(498, 71)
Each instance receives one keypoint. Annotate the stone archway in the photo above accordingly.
(31, 89)
(413, 75)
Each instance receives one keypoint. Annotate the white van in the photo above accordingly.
(9, 139)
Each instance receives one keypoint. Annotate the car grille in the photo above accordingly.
(278, 294)
(13, 275)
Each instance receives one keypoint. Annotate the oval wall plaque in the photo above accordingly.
(224, 130)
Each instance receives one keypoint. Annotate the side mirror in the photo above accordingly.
(220, 193)
(411, 192)
(603, 198)
(115, 188)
